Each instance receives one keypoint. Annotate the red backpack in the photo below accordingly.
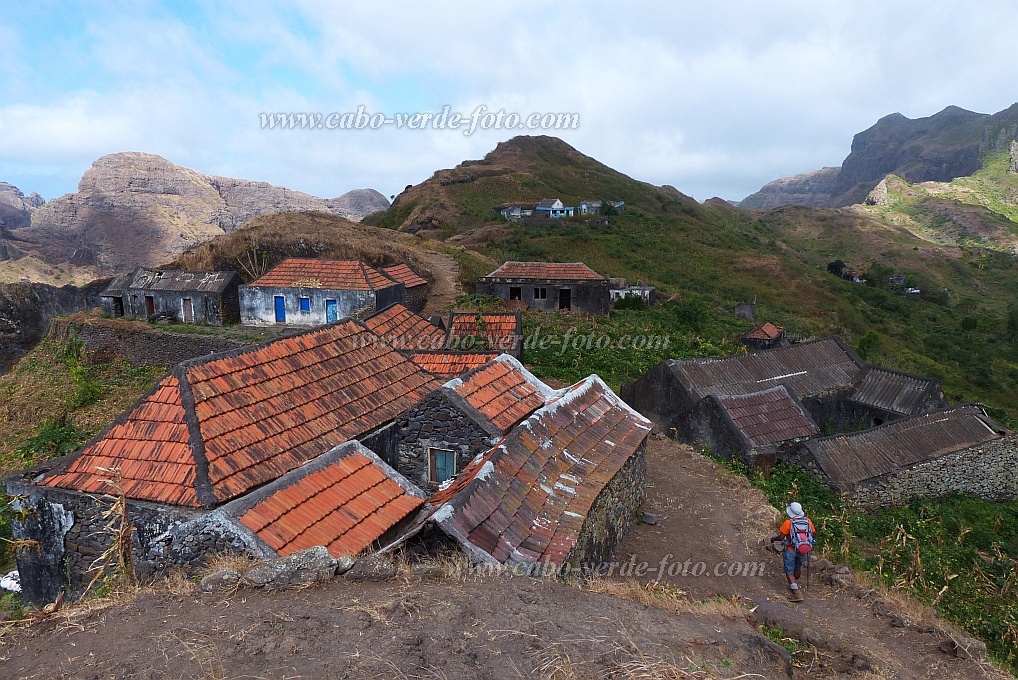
(801, 535)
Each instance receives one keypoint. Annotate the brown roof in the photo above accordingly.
(405, 275)
(765, 331)
(404, 330)
(502, 331)
(249, 416)
(503, 392)
(344, 506)
(560, 271)
(326, 274)
(768, 417)
(807, 368)
(895, 391)
(451, 364)
(848, 459)
(525, 501)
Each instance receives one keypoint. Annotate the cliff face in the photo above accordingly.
(810, 188)
(16, 208)
(140, 209)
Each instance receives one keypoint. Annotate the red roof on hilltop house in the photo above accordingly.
(345, 506)
(502, 330)
(525, 500)
(502, 392)
(325, 274)
(216, 428)
(405, 275)
(765, 331)
(451, 364)
(572, 271)
(405, 330)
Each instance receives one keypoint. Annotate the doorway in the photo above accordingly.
(565, 298)
(150, 305)
(188, 310)
(331, 311)
(280, 302)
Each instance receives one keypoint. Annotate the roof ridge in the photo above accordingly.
(203, 488)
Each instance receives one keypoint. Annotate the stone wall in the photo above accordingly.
(612, 514)
(989, 471)
(436, 422)
(416, 298)
(140, 346)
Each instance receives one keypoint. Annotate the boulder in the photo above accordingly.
(300, 568)
(220, 581)
(372, 568)
(964, 648)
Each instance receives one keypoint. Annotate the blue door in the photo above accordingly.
(331, 311)
(443, 465)
(280, 309)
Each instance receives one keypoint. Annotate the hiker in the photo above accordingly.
(797, 537)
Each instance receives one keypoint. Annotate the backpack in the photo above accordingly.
(801, 535)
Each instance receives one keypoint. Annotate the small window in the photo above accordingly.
(305, 304)
(441, 465)
(515, 293)
(540, 293)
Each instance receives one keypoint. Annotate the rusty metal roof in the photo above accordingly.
(848, 459)
(525, 501)
(768, 417)
(170, 280)
(894, 391)
(807, 368)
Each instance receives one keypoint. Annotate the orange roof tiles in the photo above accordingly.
(561, 271)
(345, 506)
(405, 275)
(502, 331)
(765, 331)
(405, 330)
(327, 274)
(451, 364)
(501, 393)
(256, 414)
(525, 501)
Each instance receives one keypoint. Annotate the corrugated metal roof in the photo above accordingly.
(170, 279)
(893, 391)
(769, 417)
(808, 368)
(848, 459)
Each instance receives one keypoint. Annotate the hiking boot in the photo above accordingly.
(796, 595)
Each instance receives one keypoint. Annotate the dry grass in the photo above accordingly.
(228, 560)
(902, 605)
(664, 596)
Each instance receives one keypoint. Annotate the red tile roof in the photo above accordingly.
(405, 275)
(769, 417)
(326, 274)
(562, 271)
(502, 331)
(525, 501)
(451, 364)
(765, 331)
(345, 507)
(404, 330)
(503, 392)
(253, 415)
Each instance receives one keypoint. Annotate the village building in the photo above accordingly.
(514, 212)
(451, 364)
(496, 331)
(881, 395)
(958, 449)
(312, 292)
(559, 491)
(184, 296)
(213, 431)
(553, 208)
(619, 289)
(547, 286)
(765, 336)
(416, 286)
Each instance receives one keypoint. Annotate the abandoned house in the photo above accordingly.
(546, 286)
(211, 433)
(753, 428)
(560, 489)
(310, 292)
(882, 395)
(553, 208)
(188, 297)
(619, 289)
(958, 449)
(765, 336)
(514, 212)
(416, 285)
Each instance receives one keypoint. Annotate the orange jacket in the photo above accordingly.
(786, 532)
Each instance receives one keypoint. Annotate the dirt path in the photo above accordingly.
(446, 285)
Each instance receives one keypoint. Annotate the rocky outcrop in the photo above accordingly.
(1013, 168)
(357, 204)
(879, 194)
(16, 208)
(140, 209)
(810, 188)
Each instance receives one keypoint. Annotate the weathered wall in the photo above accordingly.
(435, 421)
(416, 298)
(612, 514)
(588, 297)
(208, 307)
(705, 424)
(141, 347)
(659, 396)
(257, 304)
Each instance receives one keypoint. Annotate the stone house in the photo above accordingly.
(185, 296)
(547, 286)
(559, 491)
(553, 208)
(958, 449)
(881, 395)
(514, 212)
(765, 336)
(753, 428)
(465, 417)
(620, 289)
(416, 286)
(310, 292)
(214, 431)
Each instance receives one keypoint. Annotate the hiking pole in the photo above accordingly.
(809, 568)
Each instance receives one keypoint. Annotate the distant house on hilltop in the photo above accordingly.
(185, 296)
(310, 292)
(549, 286)
(553, 208)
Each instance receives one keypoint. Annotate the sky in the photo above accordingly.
(715, 99)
